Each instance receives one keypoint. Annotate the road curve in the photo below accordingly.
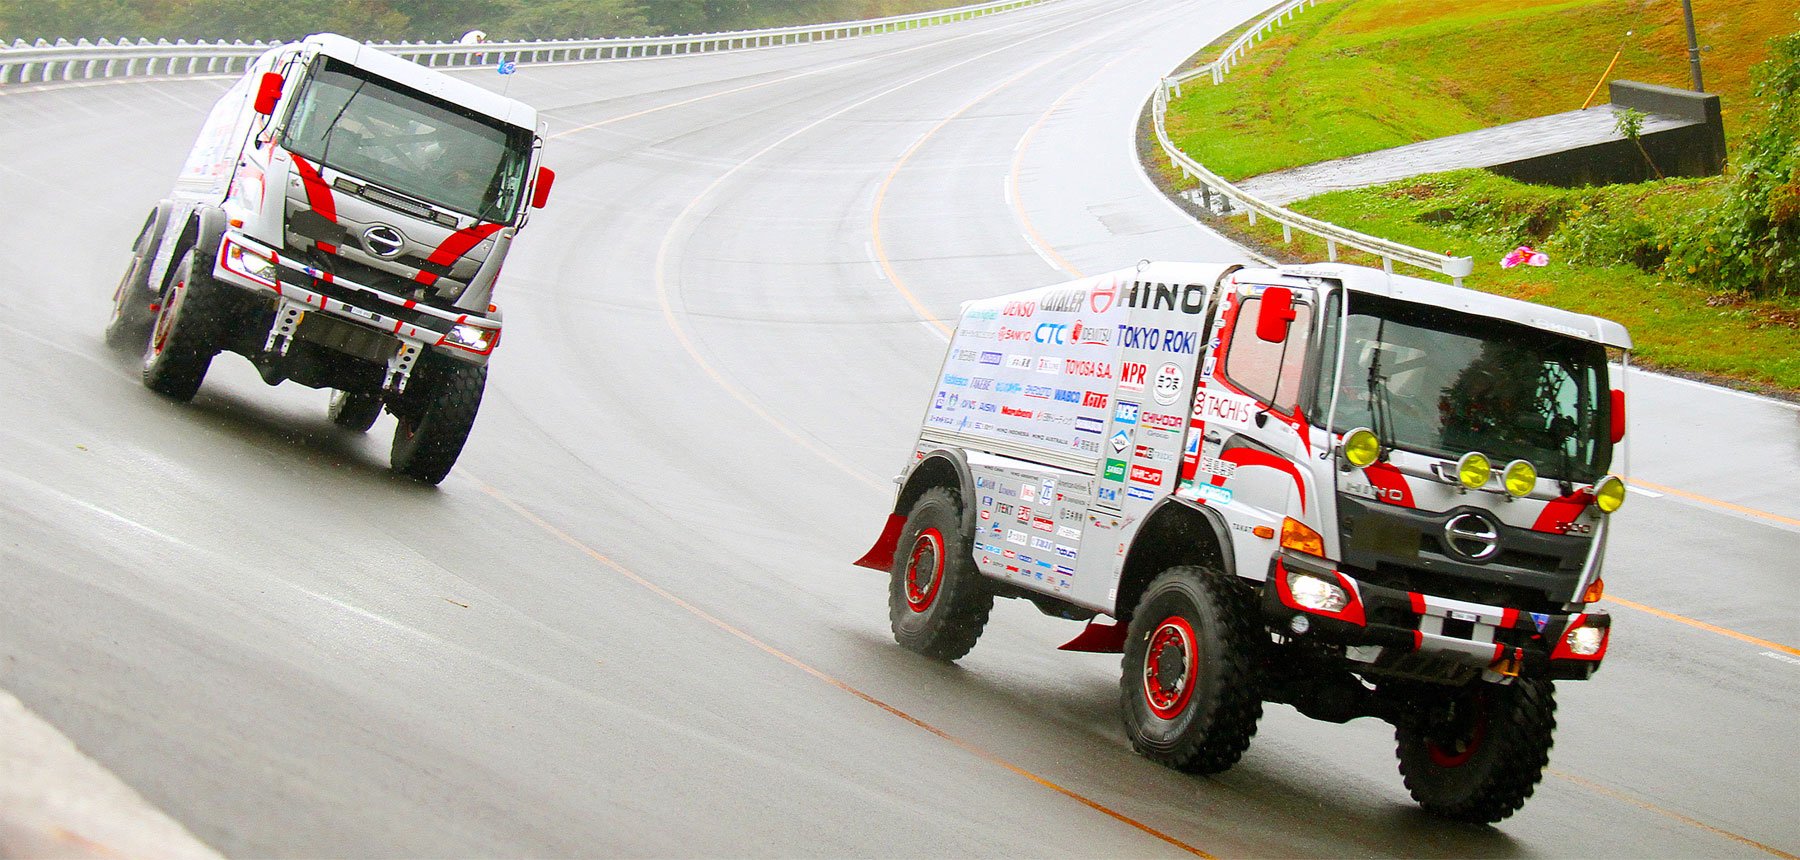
(626, 624)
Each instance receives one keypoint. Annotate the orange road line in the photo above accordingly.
(1696, 497)
(1692, 822)
(1710, 628)
(821, 675)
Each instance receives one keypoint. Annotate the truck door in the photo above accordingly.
(1250, 446)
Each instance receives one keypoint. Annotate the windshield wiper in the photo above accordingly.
(1378, 395)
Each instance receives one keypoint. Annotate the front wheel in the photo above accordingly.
(936, 603)
(1477, 754)
(431, 432)
(184, 338)
(1189, 687)
(354, 411)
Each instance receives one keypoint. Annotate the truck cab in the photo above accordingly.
(1356, 493)
(341, 221)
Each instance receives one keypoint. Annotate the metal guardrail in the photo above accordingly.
(1231, 198)
(43, 62)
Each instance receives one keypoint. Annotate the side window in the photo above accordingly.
(1269, 371)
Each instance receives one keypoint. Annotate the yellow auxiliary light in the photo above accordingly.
(1609, 494)
(1474, 470)
(1361, 447)
(1520, 478)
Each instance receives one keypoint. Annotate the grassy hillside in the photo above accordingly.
(1353, 76)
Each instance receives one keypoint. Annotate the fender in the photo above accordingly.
(928, 472)
(170, 239)
(1148, 556)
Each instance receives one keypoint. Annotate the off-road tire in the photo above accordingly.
(131, 302)
(354, 411)
(1190, 688)
(1477, 754)
(937, 604)
(430, 435)
(186, 332)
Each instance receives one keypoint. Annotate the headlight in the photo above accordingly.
(1609, 494)
(1361, 447)
(250, 263)
(1316, 594)
(473, 338)
(1474, 470)
(1585, 641)
(1520, 478)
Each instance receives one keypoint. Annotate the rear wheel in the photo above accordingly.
(1477, 754)
(1189, 689)
(133, 307)
(936, 603)
(354, 411)
(184, 337)
(432, 430)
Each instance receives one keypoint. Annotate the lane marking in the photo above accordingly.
(1707, 500)
(1710, 628)
(750, 639)
(1691, 822)
(665, 250)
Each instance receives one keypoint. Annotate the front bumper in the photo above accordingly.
(410, 326)
(1435, 638)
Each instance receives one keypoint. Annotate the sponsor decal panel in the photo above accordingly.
(1132, 376)
(1115, 470)
(1019, 362)
(1090, 369)
(1120, 441)
(1140, 493)
(1224, 407)
(1108, 495)
(1015, 537)
(1167, 388)
(993, 358)
(1125, 413)
(1146, 475)
(1067, 533)
(1044, 544)
(1043, 524)
(1084, 424)
(1158, 339)
(1065, 551)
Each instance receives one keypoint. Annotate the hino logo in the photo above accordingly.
(1472, 536)
(383, 241)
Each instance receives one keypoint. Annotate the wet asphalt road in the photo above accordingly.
(627, 623)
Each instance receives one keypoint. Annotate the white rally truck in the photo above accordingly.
(1355, 493)
(341, 221)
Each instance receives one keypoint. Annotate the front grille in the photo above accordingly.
(1406, 549)
(347, 337)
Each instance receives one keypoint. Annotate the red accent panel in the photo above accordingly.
(318, 194)
(1389, 478)
(1098, 637)
(1559, 512)
(1562, 652)
(1253, 457)
(1510, 618)
(1418, 602)
(455, 246)
(1618, 416)
(881, 555)
(1418, 640)
(1353, 612)
(327, 247)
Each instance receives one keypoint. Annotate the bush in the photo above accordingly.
(1750, 242)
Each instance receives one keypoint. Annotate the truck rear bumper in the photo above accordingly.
(1410, 633)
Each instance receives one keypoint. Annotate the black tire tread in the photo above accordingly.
(1219, 741)
(1522, 737)
(194, 340)
(354, 411)
(963, 604)
(444, 420)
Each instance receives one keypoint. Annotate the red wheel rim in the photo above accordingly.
(924, 570)
(1463, 747)
(1169, 667)
(165, 319)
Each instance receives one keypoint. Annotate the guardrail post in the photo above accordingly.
(1331, 250)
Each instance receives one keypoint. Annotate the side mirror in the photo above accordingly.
(268, 93)
(540, 193)
(1618, 415)
(1277, 312)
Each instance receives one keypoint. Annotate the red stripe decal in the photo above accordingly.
(1558, 513)
(1509, 618)
(1253, 457)
(455, 246)
(327, 247)
(1385, 477)
(1418, 602)
(318, 194)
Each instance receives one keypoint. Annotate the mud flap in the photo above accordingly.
(1099, 637)
(881, 555)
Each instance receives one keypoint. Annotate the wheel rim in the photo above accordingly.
(1456, 740)
(924, 570)
(165, 318)
(1169, 667)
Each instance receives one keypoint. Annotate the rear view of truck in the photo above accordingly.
(341, 222)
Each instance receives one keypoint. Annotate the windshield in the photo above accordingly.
(379, 132)
(1444, 384)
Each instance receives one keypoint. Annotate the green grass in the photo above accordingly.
(1601, 241)
(1353, 76)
